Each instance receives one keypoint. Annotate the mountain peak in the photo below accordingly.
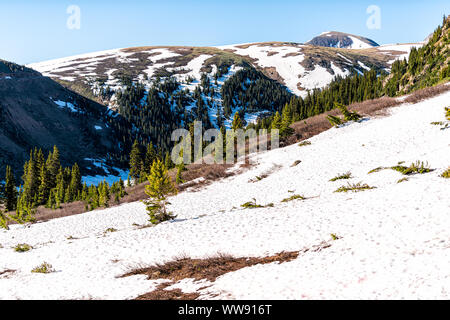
(343, 40)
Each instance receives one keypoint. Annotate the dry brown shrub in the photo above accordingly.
(208, 268)
(422, 94)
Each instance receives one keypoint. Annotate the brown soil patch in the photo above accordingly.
(273, 74)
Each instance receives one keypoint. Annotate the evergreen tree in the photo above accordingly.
(276, 123)
(51, 203)
(158, 189)
(10, 192)
(75, 186)
(44, 187)
(53, 165)
(103, 192)
(136, 161)
(179, 179)
(3, 221)
(150, 157)
(237, 122)
(30, 179)
(348, 115)
(168, 161)
(286, 117)
(180, 168)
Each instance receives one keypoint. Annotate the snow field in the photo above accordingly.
(395, 241)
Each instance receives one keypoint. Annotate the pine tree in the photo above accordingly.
(44, 187)
(150, 156)
(179, 179)
(51, 203)
(286, 121)
(158, 189)
(3, 221)
(30, 179)
(237, 122)
(180, 168)
(334, 121)
(348, 115)
(75, 184)
(168, 161)
(136, 161)
(10, 192)
(103, 192)
(286, 117)
(60, 189)
(53, 165)
(24, 211)
(276, 122)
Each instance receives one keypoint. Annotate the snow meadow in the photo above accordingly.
(386, 237)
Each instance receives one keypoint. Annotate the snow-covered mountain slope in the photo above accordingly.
(37, 112)
(336, 39)
(299, 67)
(401, 51)
(394, 240)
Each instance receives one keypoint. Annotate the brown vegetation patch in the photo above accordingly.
(273, 74)
(209, 268)
(268, 44)
(5, 274)
(292, 54)
(375, 107)
(200, 175)
(420, 95)
(162, 294)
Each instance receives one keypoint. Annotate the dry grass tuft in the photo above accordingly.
(5, 274)
(23, 247)
(43, 268)
(344, 176)
(162, 294)
(294, 197)
(426, 93)
(446, 174)
(355, 187)
(209, 268)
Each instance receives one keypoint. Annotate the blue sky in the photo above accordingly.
(34, 31)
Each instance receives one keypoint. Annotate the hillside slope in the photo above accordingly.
(35, 111)
(427, 65)
(297, 67)
(342, 40)
(390, 242)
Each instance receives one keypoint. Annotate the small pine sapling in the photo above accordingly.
(334, 121)
(159, 188)
(348, 115)
(3, 221)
